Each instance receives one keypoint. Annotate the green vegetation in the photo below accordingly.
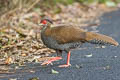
(10, 4)
(54, 2)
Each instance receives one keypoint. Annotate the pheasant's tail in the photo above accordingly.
(96, 38)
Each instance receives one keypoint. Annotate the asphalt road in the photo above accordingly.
(104, 64)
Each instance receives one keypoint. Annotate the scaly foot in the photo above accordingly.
(65, 65)
(51, 60)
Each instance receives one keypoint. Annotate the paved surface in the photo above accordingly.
(103, 65)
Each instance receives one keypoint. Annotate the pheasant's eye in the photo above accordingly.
(44, 22)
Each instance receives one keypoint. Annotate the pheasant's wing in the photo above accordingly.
(67, 34)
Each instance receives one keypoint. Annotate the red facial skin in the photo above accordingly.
(44, 22)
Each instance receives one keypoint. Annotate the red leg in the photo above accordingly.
(51, 60)
(68, 61)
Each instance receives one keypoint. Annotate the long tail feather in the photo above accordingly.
(96, 38)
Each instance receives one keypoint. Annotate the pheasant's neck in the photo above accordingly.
(45, 29)
(44, 33)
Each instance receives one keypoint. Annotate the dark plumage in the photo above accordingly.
(65, 38)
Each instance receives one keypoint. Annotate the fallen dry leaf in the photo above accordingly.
(8, 60)
(23, 54)
(89, 55)
(54, 71)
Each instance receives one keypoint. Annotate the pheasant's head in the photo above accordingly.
(46, 22)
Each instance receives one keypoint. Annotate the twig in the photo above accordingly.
(32, 5)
